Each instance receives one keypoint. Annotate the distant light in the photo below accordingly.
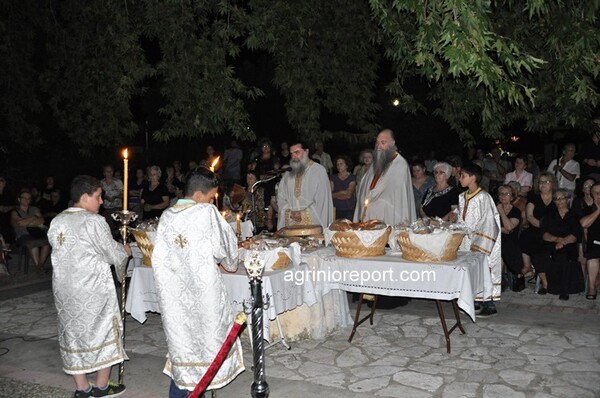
(514, 138)
(396, 102)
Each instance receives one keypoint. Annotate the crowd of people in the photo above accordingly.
(530, 221)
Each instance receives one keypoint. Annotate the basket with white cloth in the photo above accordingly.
(354, 240)
(438, 246)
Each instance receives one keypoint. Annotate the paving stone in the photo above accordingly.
(413, 331)
(572, 391)
(336, 380)
(419, 380)
(555, 341)
(519, 378)
(584, 366)
(312, 369)
(465, 364)
(545, 360)
(536, 349)
(432, 368)
(510, 329)
(500, 391)
(353, 356)
(290, 361)
(459, 389)
(583, 339)
(322, 355)
(582, 354)
(391, 360)
(369, 385)
(365, 372)
(398, 391)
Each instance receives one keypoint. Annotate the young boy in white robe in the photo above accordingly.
(478, 213)
(90, 328)
(192, 239)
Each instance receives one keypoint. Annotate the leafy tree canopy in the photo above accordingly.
(485, 65)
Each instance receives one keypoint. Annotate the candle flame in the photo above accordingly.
(366, 202)
(215, 162)
(125, 153)
(237, 217)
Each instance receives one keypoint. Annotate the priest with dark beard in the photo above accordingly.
(304, 194)
(386, 189)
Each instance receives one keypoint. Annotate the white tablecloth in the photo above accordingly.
(390, 275)
(283, 293)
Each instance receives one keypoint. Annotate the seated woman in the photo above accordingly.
(510, 218)
(591, 221)
(556, 261)
(343, 188)
(520, 175)
(440, 198)
(539, 203)
(24, 216)
(421, 182)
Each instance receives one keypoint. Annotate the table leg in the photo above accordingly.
(357, 320)
(458, 323)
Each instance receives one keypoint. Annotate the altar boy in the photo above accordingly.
(192, 239)
(478, 213)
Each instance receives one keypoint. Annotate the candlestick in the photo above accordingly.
(125, 177)
(364, 212)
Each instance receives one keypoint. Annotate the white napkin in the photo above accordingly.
(366, 237)
(433, 243)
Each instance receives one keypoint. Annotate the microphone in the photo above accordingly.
(278, 172)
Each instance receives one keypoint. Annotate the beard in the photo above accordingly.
(382, 159)
(298, 165)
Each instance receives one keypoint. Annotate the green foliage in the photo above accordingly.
(325, 60)
(94, 68)
(198, 41)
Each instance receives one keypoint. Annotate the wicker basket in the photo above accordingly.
(348, 244)
(145, 245)
(413, 253)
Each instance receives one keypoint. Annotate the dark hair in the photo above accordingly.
(201, 179)
(418, 162)
(454, 161)
(473, 169)
(346, 160)
(84, 184)
(299, 142)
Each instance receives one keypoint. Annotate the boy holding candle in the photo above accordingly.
(90, 327)
(191, 241)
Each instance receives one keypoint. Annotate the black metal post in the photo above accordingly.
(260, 388)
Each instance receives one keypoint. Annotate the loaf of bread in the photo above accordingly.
(346, 225)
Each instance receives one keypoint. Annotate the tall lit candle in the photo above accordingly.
(214, 164)
(238, 224)
(217, 200)
(364, 212)
(125, 177)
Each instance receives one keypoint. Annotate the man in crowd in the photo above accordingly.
(90, 328)
(191, 241)
(304, 195)
(386, 188)
(566, 169)
(322, 157)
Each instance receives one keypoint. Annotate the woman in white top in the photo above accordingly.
(520, 175)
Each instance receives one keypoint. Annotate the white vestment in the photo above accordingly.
(391, 200)
(482, 222)
(309, 192)
(191, 240)
(90, 327)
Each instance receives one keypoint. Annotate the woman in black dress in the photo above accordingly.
(155, 198)
(556, 262)
(440, 198)
(539, 203)
(510, 218)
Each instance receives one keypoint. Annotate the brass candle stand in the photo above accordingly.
(123, 217)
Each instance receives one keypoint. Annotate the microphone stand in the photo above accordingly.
(256, 184)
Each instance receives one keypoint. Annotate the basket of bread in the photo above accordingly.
(276, 254)
(430, 240)
(360, 239)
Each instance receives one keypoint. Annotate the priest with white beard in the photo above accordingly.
(386, 189)
(304, 194)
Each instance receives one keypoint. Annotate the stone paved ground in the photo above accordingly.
(537, 346)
